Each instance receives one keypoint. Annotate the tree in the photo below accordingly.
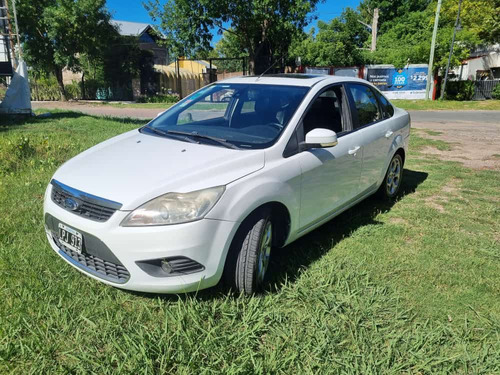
(228, 47)
(337, 43)
(406, 37)
(55, 33)
(263, 28)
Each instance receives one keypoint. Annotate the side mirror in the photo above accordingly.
(319, 138)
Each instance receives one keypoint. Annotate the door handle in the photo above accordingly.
(354, 150)
(389, 133)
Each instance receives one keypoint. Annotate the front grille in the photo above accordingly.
(98, 267)
(88, 206)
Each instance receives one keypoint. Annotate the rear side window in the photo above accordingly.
(366, 104)
(387, 108)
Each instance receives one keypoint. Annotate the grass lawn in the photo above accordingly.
(410, 287)
(450, 105)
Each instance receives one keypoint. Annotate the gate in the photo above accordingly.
(483, 89)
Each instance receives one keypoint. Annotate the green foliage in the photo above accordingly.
(229, 46)
(168, 98)
(45, 87)
(262, 28)
(406, 30)
(336, 43)
(459, 90)
(405, 33)
(496, 92)
(56, 32)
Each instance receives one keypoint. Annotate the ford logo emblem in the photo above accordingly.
(71, 204)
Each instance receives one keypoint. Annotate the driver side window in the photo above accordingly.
(326, 112)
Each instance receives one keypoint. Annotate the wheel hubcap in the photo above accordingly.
(393, 176)
(264, 252)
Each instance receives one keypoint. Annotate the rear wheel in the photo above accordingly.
(249, 255)
(392, 181)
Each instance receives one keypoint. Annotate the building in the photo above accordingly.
(149, 38)
(483, 64)
(195, 66)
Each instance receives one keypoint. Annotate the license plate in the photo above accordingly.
(70, 238)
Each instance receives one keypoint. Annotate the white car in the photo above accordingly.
(210, 186)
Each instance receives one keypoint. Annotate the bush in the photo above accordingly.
(168, 98)
(495, 94)
(459, 90)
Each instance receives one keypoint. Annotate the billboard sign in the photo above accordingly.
(406, 83)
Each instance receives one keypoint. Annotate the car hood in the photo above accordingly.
(134, 168)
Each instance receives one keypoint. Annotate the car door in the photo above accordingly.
(372, 132)
(330, 176)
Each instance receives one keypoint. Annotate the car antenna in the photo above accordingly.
(265, 71)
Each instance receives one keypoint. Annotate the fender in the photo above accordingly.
(240, 201)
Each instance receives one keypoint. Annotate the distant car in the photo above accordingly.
(211, 185)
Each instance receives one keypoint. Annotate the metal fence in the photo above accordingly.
(483, 89)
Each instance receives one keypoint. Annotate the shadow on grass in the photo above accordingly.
(10, 123)
(289, 262)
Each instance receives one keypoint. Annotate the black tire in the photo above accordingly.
(244, 272)
(393, 178)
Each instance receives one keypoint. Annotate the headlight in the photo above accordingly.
(174, 208)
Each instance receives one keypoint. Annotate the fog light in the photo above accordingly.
(165, 266)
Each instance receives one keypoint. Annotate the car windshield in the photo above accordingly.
(241, 116)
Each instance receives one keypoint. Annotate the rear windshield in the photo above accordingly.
(243, 115)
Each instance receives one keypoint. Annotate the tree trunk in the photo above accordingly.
(59, 77)
(83, 85)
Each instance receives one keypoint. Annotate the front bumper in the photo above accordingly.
(205, 241)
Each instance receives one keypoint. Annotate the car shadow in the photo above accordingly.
(287, 263)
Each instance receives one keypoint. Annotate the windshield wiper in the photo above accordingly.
(220, 141)
(166, 134)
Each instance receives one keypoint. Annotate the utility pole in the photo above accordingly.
(457, 25)
(433, 48)
(374, 29)
(17, 30)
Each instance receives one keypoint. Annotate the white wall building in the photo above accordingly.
(483, 64)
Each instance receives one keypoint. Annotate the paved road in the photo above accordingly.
(491, 117)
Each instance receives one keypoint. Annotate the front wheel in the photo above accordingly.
(249, 255)
(392, 181)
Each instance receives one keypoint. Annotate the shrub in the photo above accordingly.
(495, 94)
(459, 90)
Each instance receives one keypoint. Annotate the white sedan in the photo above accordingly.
(209, 187)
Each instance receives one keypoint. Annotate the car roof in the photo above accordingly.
(305, 80)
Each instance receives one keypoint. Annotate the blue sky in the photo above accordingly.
(132, 10)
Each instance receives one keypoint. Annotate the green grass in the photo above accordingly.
(433, 105)
(409, 287)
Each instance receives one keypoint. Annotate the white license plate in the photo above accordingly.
(70, 238)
